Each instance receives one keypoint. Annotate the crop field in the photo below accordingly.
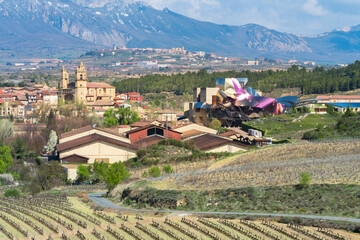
(60, 217)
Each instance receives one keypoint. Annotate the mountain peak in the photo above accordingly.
(134, 23)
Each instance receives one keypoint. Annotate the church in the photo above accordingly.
(90, 93)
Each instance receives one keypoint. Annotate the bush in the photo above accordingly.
(281, 141)
(168, 169)
(12, 193)
(305, 179)
(215, 124)
(82, 173)
(155, 171)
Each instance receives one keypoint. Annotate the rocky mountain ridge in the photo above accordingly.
(90, 24)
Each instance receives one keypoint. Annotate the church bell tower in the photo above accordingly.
(80, 83)
(64, 78)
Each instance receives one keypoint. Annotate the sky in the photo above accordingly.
(301, 17)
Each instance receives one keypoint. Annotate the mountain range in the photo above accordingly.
(64, 28)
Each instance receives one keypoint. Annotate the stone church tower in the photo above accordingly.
(64, 78)
(80, 83)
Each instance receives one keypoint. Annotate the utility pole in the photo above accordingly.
(138, 97)
(167, 127)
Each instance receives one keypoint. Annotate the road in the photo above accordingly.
(103, 202)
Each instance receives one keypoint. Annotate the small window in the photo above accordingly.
(81, 77)
(151, 131)
(159, 131)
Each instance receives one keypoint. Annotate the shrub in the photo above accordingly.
(168, 169)
(145, 174)
(13, 193)
(305, 179)
(82, 173)
(155, 171)
(215, 124)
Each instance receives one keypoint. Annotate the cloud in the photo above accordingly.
(194, 4)
(304, 17)
(314, 8)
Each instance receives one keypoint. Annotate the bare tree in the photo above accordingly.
(6, 129)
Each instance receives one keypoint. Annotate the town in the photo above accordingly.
(148, 60)
(182, 120)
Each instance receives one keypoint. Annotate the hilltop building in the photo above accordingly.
(90, 93)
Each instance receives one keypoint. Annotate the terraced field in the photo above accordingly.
(61, 217)
(333, 162)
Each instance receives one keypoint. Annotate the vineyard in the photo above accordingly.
(61, 217)
(327, 162)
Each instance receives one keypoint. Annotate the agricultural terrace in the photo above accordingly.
(332, 162)
(60, 217)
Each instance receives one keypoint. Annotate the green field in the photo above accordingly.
(290, 126)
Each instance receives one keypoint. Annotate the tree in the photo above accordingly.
(155, 171)
(47, 176)
(305, 179)
(51, 122)
(122, 116)
(100, 169)
(5, 159)
(6, 129)
(51, 144)
(349, 112)
(215, 124)
(20, 150)
(82, 173)
(115, 174)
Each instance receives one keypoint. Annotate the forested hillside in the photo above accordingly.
(318, 81)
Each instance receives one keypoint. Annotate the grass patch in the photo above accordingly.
(283, 126)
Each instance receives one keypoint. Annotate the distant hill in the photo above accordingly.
(53, 27)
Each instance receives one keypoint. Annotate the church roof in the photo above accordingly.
(102, 103)
(98, 85)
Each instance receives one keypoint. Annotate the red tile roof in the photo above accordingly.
(48, 93)
(148, 141)
(209, 141)
(92, 138)
(228, 133)
(75, 155)
(86, 129)
(146, 127)
(191, 133)
(143, 122)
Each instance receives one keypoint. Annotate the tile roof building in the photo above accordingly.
(90, 144)
(91, 93)
(215, 143)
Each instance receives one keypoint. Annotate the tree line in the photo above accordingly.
(317, 81)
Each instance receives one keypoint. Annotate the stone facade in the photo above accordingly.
(90, 93)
